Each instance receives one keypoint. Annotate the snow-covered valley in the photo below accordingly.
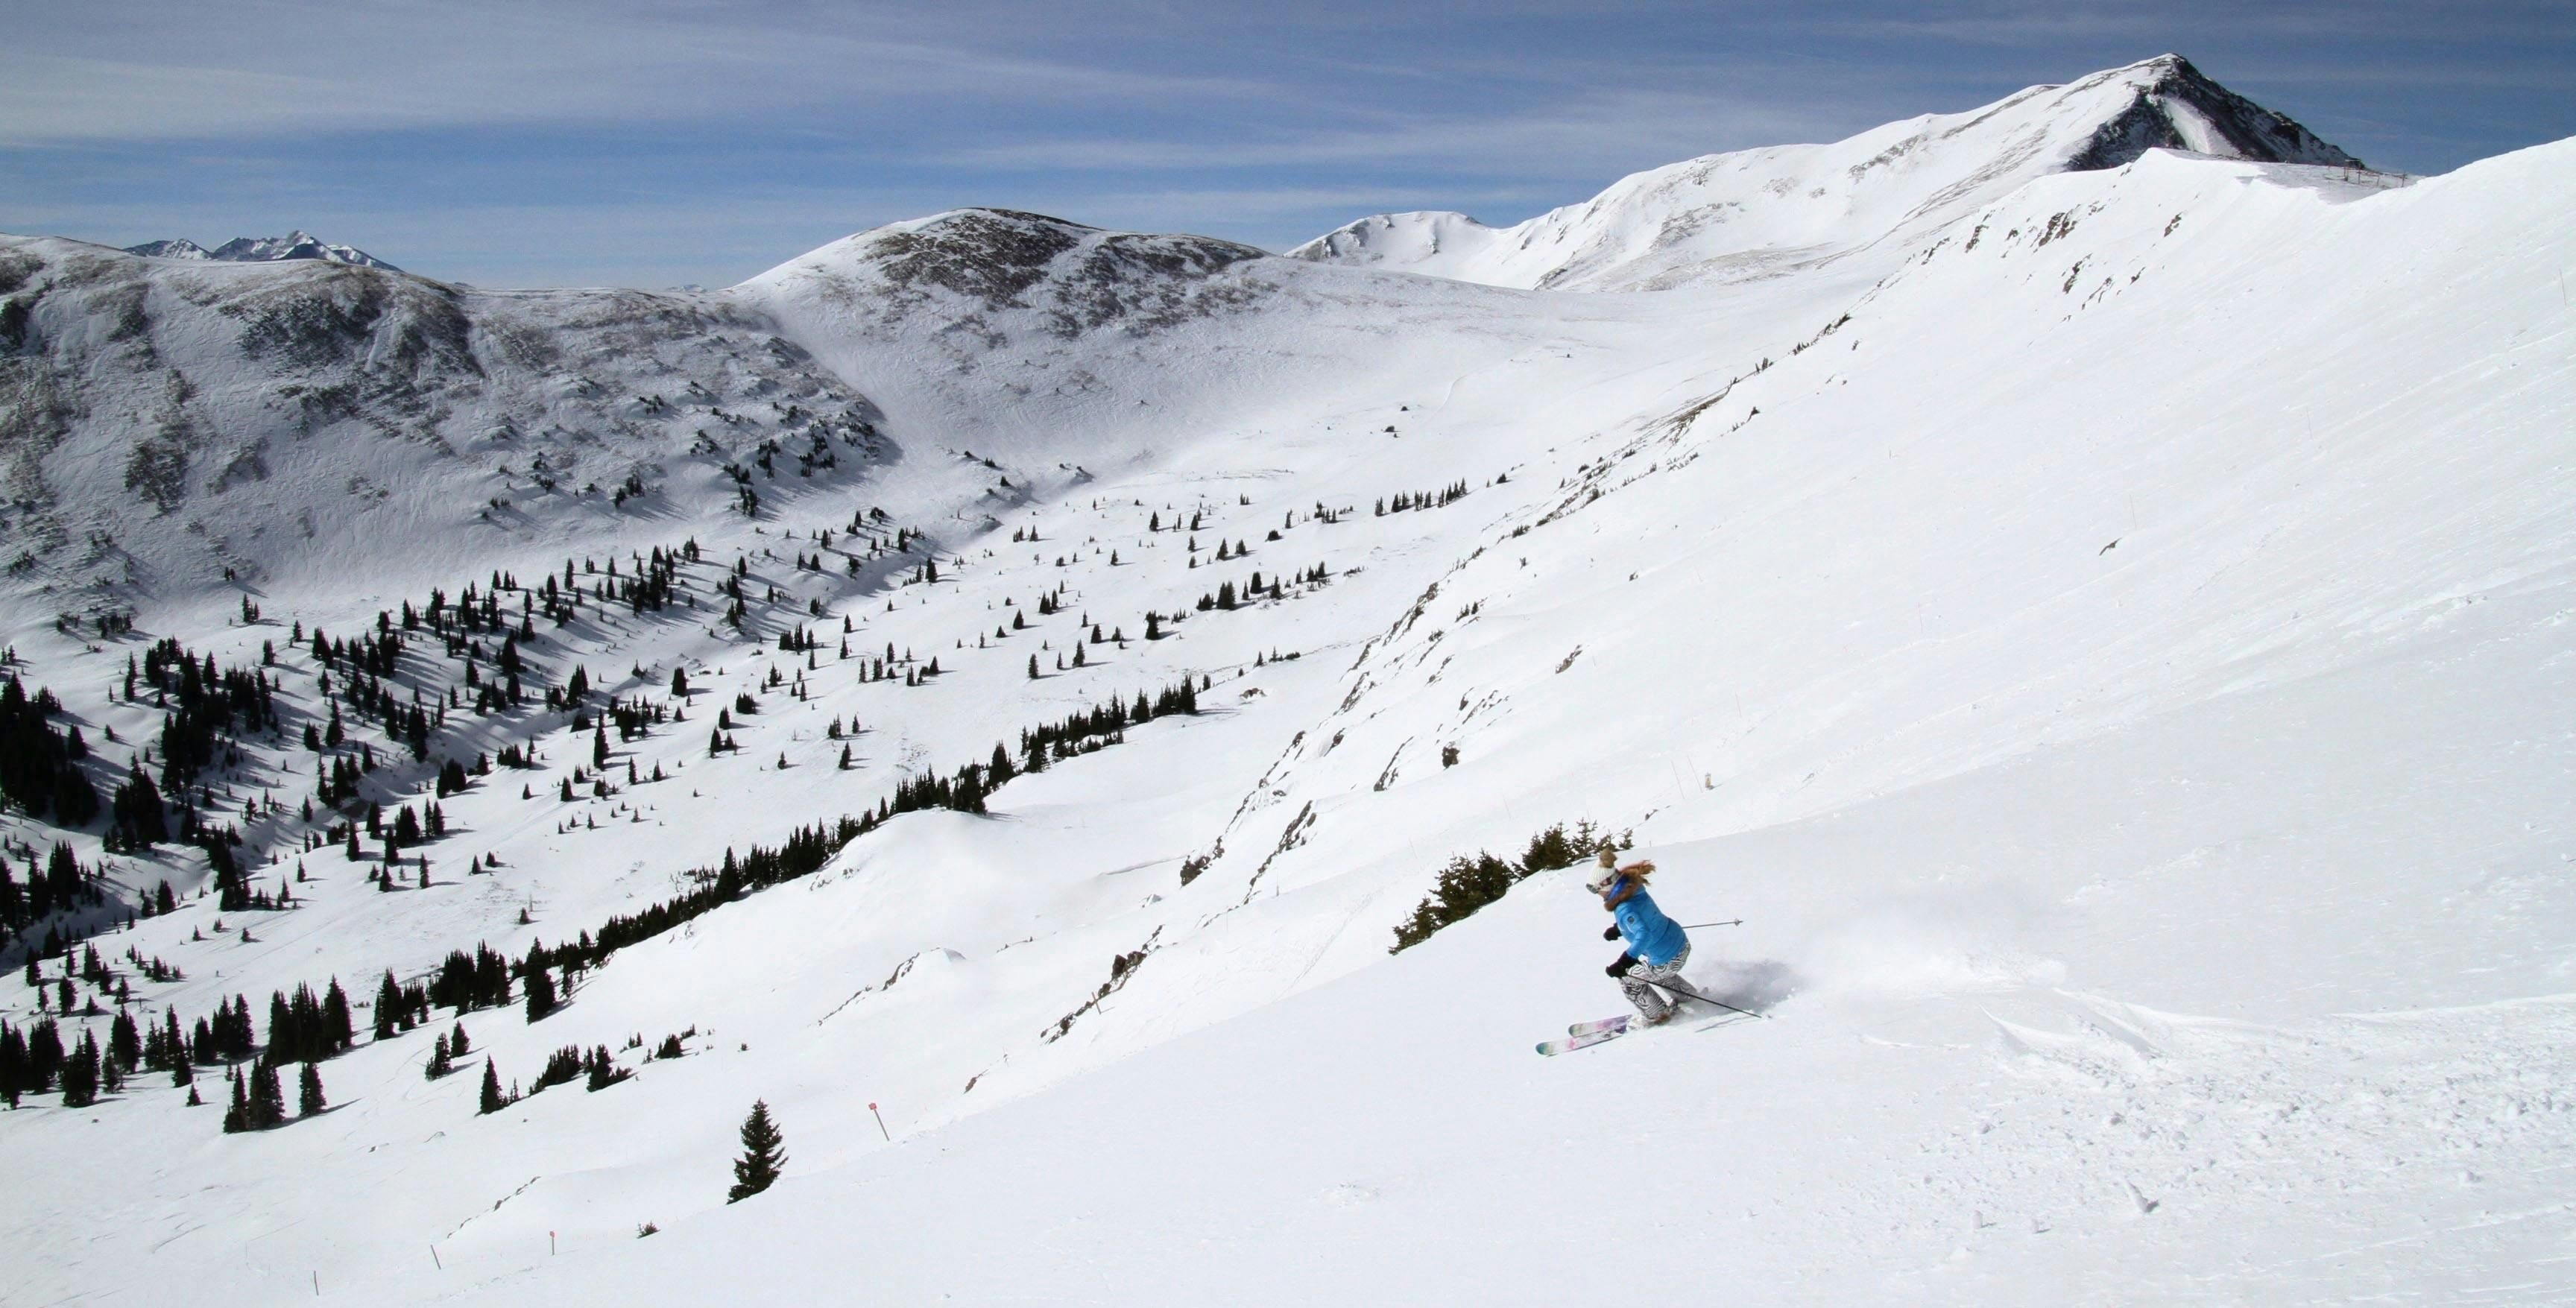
(2102, 624)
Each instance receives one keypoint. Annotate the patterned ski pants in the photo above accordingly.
(1649, 1000)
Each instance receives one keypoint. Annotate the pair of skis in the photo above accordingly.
(1584, 1035)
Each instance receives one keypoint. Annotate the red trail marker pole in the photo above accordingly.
(881, 1126)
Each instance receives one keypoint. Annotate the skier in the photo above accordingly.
(1657, 947)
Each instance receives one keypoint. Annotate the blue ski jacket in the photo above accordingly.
(1654, 938)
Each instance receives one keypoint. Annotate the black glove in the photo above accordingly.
(1620, 968)
(1610, 932)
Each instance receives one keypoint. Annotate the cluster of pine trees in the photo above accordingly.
(470, 615)
(1439, 499)
(369, 698)
(228, 1036)
(305, 1028)
(1080, 733)
(40, 767)
(259, 1099)
(1470, 883)
(1226, 597)
(468, 982)
(136, 817)
(60, 884)
(378, 656)
(308, 1028)
(401, 1007)
(207, 706)
(32, 1061)
(597, 1069)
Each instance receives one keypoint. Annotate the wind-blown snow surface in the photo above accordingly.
(2111, 654)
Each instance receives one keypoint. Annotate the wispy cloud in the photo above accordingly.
(164, 74)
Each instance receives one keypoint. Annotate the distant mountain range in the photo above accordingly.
(262, 249)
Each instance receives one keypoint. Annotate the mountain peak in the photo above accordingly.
(1070, 277)
(1755, 213)
(298, 244)
(2176, 106)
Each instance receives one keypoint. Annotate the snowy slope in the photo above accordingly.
(2104, 961)
(2107, 654)
(1761, 213)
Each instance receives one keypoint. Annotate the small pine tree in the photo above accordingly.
(492, 1101)
(763, 1153)
(389, 1003)
(541, 991)
(308, 1091)
(80, 1072)
(237, 1116)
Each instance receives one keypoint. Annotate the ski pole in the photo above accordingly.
(1693, 994)
(1694, 926)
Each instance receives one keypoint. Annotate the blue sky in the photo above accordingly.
(658, 143)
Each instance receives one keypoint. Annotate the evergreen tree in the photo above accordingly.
(267, 1096)
(308, 1095)
(337, 1029)
(124, 1042)
(763, 1153)
(80, 1073)
(492, 1101)
(541, 987)
(389, 1002)
(237, 1117)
